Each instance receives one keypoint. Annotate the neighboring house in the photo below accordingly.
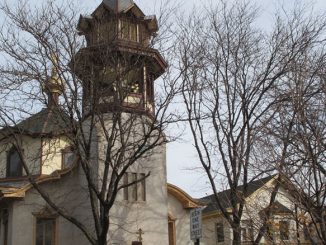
(283, 227)
(152, 209)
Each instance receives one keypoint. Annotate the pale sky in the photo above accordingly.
(181, 155)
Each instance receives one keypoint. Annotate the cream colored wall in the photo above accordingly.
(209, 233)
(52, 155)
(31, 149)
(182, 220)
(50, 158)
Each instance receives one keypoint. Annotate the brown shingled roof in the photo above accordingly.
(224, 196)
(46, 122)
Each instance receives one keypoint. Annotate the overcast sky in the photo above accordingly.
(180, 155)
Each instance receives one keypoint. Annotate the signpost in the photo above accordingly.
(195, 225)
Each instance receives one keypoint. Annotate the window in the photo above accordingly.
(306, 233)
(150, 88)
(284, 230)
(4, 226)
(129, 30)
(219, 232)
(134, 80)
(68, 157)
(14, 163)
(137, 190)
(247, 230)
(45, 231)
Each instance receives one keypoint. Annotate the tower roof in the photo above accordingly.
(119, 5)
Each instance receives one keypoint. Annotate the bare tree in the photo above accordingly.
(44, 57)
(304, 88)
(230, 70)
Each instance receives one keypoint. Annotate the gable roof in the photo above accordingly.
(49, 121)
(224, 196)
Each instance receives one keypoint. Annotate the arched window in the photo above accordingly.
(14, 163)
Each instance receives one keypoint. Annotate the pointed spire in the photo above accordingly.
(54, 86)
(119, 5)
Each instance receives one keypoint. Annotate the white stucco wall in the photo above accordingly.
(68, 195)
(182, 220)
(151, 216)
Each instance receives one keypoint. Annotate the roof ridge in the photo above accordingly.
(253, 182)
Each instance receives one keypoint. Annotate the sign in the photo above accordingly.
(195, 224)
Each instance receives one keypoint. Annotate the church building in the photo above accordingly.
(39, 166)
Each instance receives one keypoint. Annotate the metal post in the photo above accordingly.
(197, 242)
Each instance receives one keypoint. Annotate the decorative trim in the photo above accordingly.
(10, 192)
(186, 200)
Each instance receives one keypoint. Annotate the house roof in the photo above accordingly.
(224, 196)
(49, 121)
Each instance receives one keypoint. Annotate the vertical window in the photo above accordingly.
(124, 29)
(219, 232)
(247, 230)
(14, 163)
(129, 30)
(306, 233)
(137, 190)
(270, 232)
(45, 231)
(150, 88)
(134, 78)
(68, 157)
(4, 227)
(284, 230)
(171, 230)
(133, 32)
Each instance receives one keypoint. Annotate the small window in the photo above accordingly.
(284, 230)
(136, 191)
(150, 88)
(4, 225)
(129, 30)
(247, 230)
(124, 29)
(219, 232)
(45, 231)
(68, 157)
(306, 233)
(14, 163)
(134, 80)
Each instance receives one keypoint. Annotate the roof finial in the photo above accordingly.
(54, 85)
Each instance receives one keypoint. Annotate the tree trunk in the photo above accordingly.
(236, 234)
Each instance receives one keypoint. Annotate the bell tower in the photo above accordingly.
(118, 67)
